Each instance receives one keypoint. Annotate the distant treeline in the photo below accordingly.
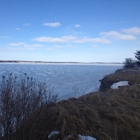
(18, 61)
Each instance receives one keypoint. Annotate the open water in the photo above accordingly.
(68, 80)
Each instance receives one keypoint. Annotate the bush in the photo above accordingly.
(130, 63)
(19, 98)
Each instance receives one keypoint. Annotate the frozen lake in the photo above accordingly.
(68, 80)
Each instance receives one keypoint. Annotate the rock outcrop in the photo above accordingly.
(130, 75)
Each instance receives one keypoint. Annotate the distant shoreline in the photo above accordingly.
(53, 62)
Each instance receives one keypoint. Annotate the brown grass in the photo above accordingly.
(114, 115)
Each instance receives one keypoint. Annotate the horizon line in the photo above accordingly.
(39, 61)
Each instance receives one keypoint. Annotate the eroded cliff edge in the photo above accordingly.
(130, 75)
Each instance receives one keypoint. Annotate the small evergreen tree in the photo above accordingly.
(137, 56)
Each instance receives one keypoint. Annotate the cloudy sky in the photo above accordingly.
(69, 30)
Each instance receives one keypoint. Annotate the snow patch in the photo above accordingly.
(79, 135)
(53, 133)
(85, 137)
(121, 83)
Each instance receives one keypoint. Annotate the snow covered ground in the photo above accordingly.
(86, 137)
(117, 84)
(53, 133)
(81, 137)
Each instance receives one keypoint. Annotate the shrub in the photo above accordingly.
(129, 63)
(19, 98)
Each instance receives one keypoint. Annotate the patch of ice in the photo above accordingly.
(86, 137)
(121, 83)
(53, 133)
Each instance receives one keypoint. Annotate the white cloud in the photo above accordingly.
(24, 46)
(17, 44)
(95, 46)
(134, 30)
(72, 39)
(58, 40)
(17, 29)
(53, 48)
(54, 24)
(77, 25)
(93, 40)
(69, 45)
(118, 35)
(26, 24)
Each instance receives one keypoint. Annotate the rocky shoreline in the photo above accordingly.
(129, 75)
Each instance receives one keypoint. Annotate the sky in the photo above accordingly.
(69, 30)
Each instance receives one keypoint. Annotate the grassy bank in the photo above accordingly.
(114, 115)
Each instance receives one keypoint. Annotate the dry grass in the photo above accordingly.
(114, 115)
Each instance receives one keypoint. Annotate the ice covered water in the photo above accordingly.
(67, 80)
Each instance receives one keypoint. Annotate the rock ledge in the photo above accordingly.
(130, 75)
